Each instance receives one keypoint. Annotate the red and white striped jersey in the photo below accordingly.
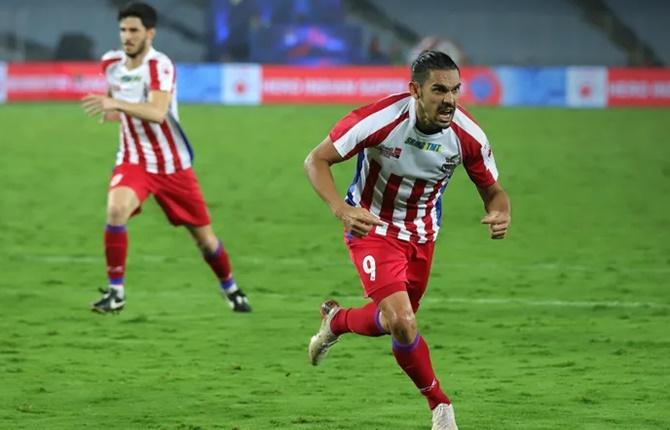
(401, 173)
(159, 148)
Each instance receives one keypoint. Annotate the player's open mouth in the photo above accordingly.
(445, 115)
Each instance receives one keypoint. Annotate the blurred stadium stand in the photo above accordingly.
(645, 22)
(485, 32)
(511, 32)
(32, 30)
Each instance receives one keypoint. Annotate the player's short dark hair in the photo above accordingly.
(431, 60)
(143, 11)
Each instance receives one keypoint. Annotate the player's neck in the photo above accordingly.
(137, 60)
(425, 127)
(423, 124)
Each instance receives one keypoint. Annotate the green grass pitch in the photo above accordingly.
(562, 325)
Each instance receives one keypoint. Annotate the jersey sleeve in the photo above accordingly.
(346, 137)
(109, 58)
(161, 75)
(478, 161)
(368, 126)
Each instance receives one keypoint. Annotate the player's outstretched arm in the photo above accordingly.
(358, 221)
(93, 104)
(155, 109)
(498, 208)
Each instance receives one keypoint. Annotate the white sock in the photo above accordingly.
(120, 292)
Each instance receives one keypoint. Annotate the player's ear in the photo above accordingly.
(414, 89)
(151, 33)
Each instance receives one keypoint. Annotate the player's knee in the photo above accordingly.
(207, 243)
(208, 246)
(118, 213)
(403, 326)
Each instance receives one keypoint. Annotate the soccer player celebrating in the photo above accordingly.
(154, 155)
(408, 146)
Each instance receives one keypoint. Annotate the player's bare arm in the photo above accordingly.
(155, 109)
(498, 208)
(111, 115)
(356, 220)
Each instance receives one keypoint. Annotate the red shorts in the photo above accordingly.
(178, 193)
(388, 265)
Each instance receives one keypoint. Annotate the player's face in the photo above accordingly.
(436, 99)
(135, 38)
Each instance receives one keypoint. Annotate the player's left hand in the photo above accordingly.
(498, 223)
(95, 104)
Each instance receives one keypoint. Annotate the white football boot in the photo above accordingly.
(321, 342)
(444, 418)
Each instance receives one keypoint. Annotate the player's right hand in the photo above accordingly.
(357, 221)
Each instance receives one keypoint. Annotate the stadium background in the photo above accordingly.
(564, 324)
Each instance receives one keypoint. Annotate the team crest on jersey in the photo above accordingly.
(424, 146)
(389, 152)
(450, 164)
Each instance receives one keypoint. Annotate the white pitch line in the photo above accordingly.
(549, 302)
(91, 259)
(434, 297)
(298, 261)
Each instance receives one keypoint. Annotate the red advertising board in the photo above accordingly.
(481, 86)
(359, 85)
(638, 87)
(355, 85)
(53, 81)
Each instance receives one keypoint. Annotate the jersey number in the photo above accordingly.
(369, 266)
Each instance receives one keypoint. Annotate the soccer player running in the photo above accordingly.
(154, 155)
(407, 146)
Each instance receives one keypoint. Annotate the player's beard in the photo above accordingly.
(140, 49)
(444, 115)
(430, 117)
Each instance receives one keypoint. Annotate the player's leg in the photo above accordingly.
(181, 199)
(127, 190)
(365, 321)
(218, 260)
(381, 264)
(413, 356)
(383, 270)
(409, 348)
(121, 203)
(418, 272)
(416, 360)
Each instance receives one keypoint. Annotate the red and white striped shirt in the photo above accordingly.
(401, 173)
(160, 148)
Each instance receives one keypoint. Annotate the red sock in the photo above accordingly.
(363, 321)
(116, 250)
(414, 359)
(220, 263)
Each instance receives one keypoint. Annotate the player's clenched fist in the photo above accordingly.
(498, 223)
(357, 221)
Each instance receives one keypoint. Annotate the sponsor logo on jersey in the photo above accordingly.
(389, 152)
(424, 146)
(131, 78)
